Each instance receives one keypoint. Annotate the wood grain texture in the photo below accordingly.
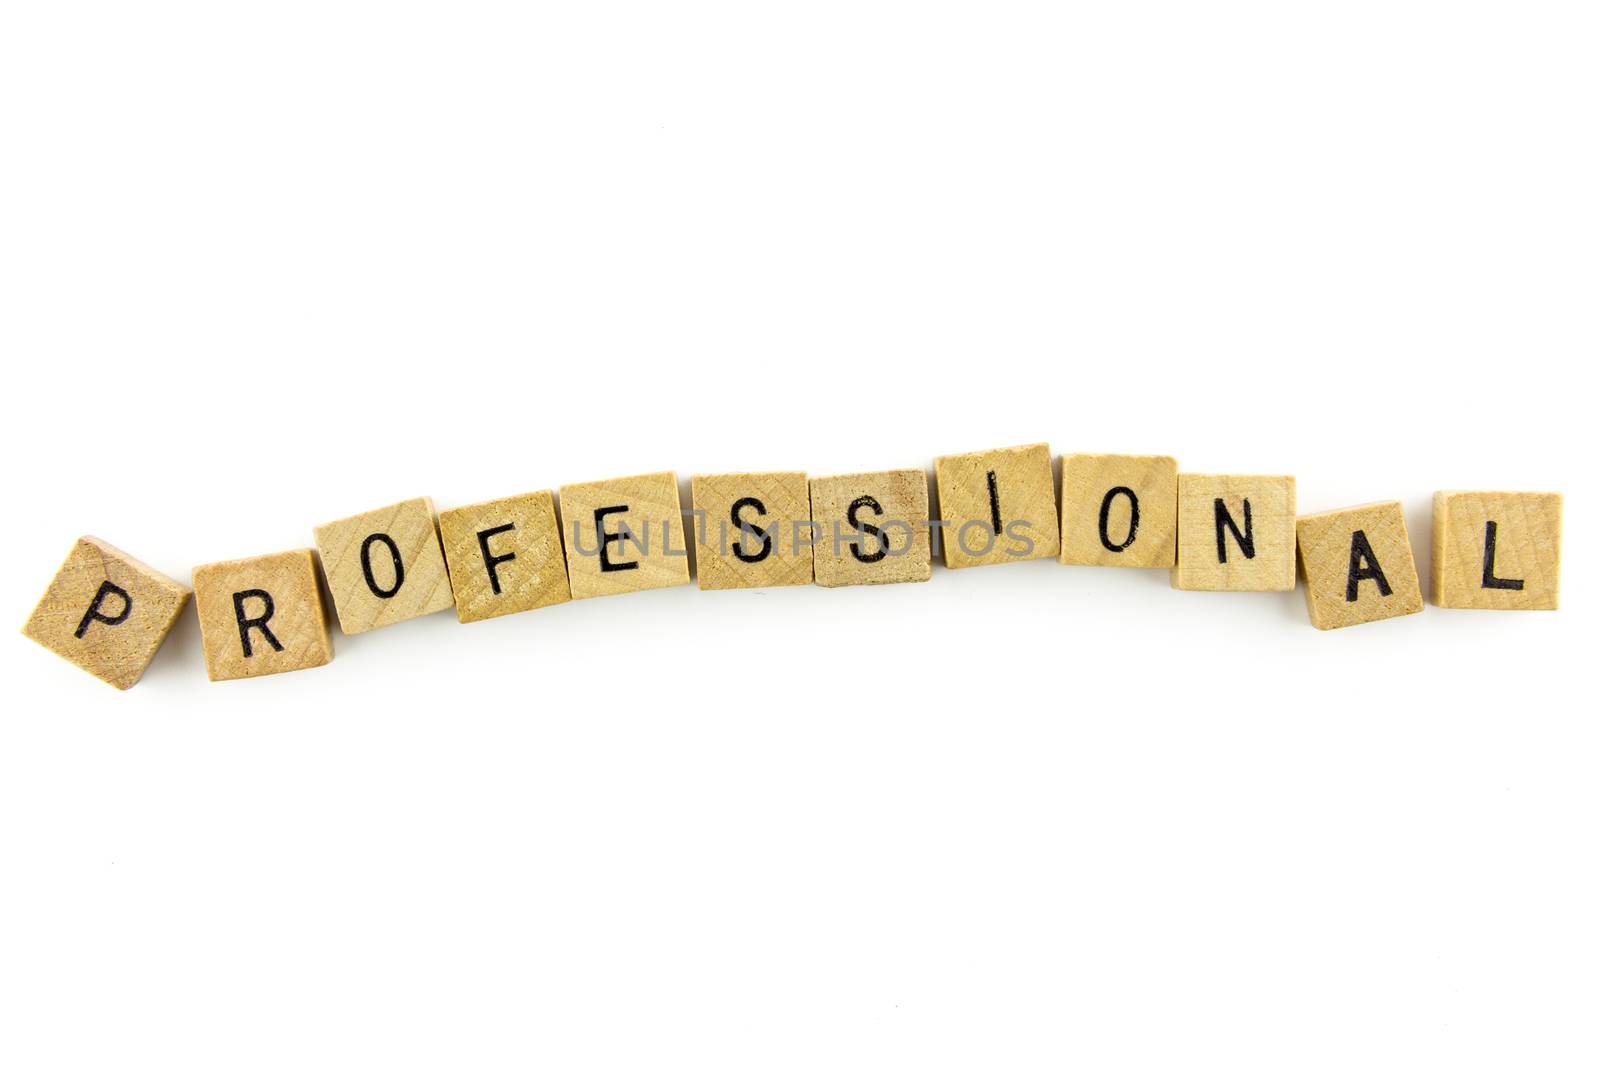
(998, 506)
(1357, 565)
(504, 556)
(106, 612)
(1119, 511)
(889, 540)
(624, 535)
(384, 566)
(1526, 550)
(776, 506)
(285, 628)
(1210, 553)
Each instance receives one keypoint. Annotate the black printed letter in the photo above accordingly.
(366, 565)
(94, 615)
(259, 622)
(766, 538)
(866, 527)
(1247, 540)
(1363, 565)
(1133, 518)
(606, 562)
(1490, 531)
(490, 560)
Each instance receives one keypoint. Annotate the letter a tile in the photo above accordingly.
(1358, 565)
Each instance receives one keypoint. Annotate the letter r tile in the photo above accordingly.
(261, 615)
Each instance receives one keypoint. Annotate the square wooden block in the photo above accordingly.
(106, 612)
(1358, 565)
(1119, 511)
(505, 556)
(384, 566)
(624, 535)
(997, 506)
(872, 529)
(776, 547)
(1497, 550)
(261, 615)
(1235, 532)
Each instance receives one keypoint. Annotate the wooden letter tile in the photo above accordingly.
(872, 529)
(505, 556)
(998, 506)
(1358, 565)
(384, 566)
(1497, 550)
(624, 535)
(752, 530)
(1119, 511)
(106, 612)
(261, 615)
(1235, 532)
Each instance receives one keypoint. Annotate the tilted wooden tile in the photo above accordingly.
(505, 556)
(1119, 511)
(752, 530)
(997, 506)
(624, 535)
(384, 566)
(1235, 532)
(1497, 550)
(1358, 565)
(872, 529)
(106, 612)
(261, 615)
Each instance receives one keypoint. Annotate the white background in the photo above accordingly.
(266, 266)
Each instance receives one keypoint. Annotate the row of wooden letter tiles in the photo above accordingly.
(108, 613)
